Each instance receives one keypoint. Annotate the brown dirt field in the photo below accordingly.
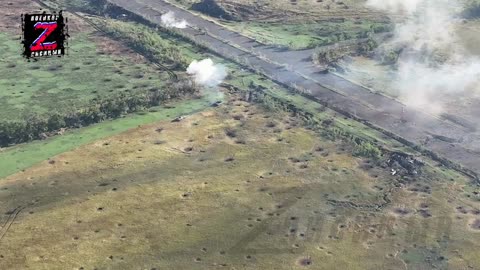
(10, 12)
(128, 202)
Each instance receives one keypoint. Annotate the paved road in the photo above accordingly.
(449, 139)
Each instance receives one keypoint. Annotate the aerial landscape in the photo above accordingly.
(241, 134)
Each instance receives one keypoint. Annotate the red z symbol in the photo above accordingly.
(39, 44)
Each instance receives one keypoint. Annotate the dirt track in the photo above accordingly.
(451, 140)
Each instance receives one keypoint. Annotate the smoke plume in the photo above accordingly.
(206, 73)
(169, 21)
(395, 6)
(432, 63)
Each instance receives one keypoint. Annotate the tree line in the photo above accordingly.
(35, 126)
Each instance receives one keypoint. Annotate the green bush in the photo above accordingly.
(366, 149)
(326, 56)
(368, 46)
(390, 57)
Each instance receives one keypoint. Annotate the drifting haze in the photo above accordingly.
(169, 21)
(396, 6)
(432, 63)
(206, 73)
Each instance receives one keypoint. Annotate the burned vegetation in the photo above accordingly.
(404, 164)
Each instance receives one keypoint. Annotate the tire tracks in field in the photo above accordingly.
(9, 221)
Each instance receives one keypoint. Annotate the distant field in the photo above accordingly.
(64, 84)
(306, 35)
(298, 24)
(307, 7)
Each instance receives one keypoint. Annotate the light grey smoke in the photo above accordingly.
(432, 62)
(206, 73)
(169, 21)
(396, 6)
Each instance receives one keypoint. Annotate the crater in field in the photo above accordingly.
(401, 211)
(424, 213)
(462, 210)
(476, 224)
(305, 261)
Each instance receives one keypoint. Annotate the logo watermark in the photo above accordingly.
(44, 35)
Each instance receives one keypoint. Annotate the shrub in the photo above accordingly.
(366, 149)
(368, 46)
(390, 57)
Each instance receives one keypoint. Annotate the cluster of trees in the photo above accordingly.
(332, 55)
(37, 127)
(327, 56)
(96, 7)
(345, 34)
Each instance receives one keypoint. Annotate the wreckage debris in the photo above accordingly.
(178, 119)
(403, 164)
(216, 104)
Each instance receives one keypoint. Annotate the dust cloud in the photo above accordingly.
(432, 64)
(169, 21)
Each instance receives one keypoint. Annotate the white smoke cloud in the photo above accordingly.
(169, 20)
(432, 64)
(206, 73)
(422, 86)
(396, 6)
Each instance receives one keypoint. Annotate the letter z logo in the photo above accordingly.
(44, 35)
(39, 44)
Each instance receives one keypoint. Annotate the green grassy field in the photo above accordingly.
(26, 155)
(305, 35)
(68, 83)
(305, 24)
